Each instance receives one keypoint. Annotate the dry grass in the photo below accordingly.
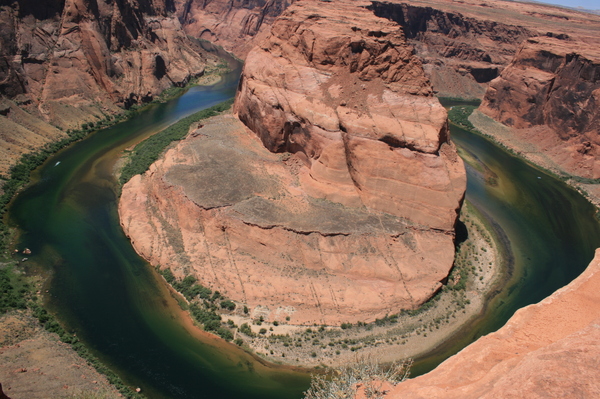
(367, 375)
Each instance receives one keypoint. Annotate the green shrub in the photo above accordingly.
(245, 329)
(12, 290)
(224, 333)
(227, 304)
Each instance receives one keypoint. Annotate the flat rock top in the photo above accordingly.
(223, 165)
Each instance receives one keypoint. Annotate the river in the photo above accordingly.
(551, 231)
(115, 302)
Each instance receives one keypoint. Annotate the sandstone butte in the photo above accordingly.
(547, 350)
(338, 200)
(65, 63)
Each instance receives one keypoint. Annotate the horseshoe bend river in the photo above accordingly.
(116, 303)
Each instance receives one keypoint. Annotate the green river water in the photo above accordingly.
(102, 290)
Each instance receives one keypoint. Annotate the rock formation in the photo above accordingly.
(551, 91)
(465, 44)
(550, 349)
(348, 213)
(69, 62)
(236, 25)
(342, 89)
(462, 49)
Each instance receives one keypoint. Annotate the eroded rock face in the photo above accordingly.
(465, 44)
(461, 53)
(342, 89)
(69, 62)
(76, 52)
(552, 88)
(236, 25)
(545, 350)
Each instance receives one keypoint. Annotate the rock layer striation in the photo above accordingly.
(69, 62)
(236, 25)
(221, 207)
(551, 93)
(343, 90)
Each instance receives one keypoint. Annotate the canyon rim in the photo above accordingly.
(331, 196)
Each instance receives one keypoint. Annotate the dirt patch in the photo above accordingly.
(36, 364)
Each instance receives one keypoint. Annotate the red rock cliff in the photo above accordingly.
(339, 205)
(69, 62)
(236, 25)
(343, 89)
(551, 89)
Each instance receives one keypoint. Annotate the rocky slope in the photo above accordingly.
(465, 44)
(545, 350)
(550, 96)
(344, 210)
(69, 62)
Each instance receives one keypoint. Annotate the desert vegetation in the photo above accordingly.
(365, 375)
(203, 304)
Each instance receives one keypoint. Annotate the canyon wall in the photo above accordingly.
(461, 52)
(550, 349)
(68, 62)
(550, 93)
(235, 25)
(338, 199)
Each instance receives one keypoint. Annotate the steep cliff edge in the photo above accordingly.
(550, 96)
(342, 90)
(340, 207)
(548, 349)
(465, 44)
(462, 49)
(69, 62)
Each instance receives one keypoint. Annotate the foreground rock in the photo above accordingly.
(72, 62)
(353, 220)
(550, 349)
